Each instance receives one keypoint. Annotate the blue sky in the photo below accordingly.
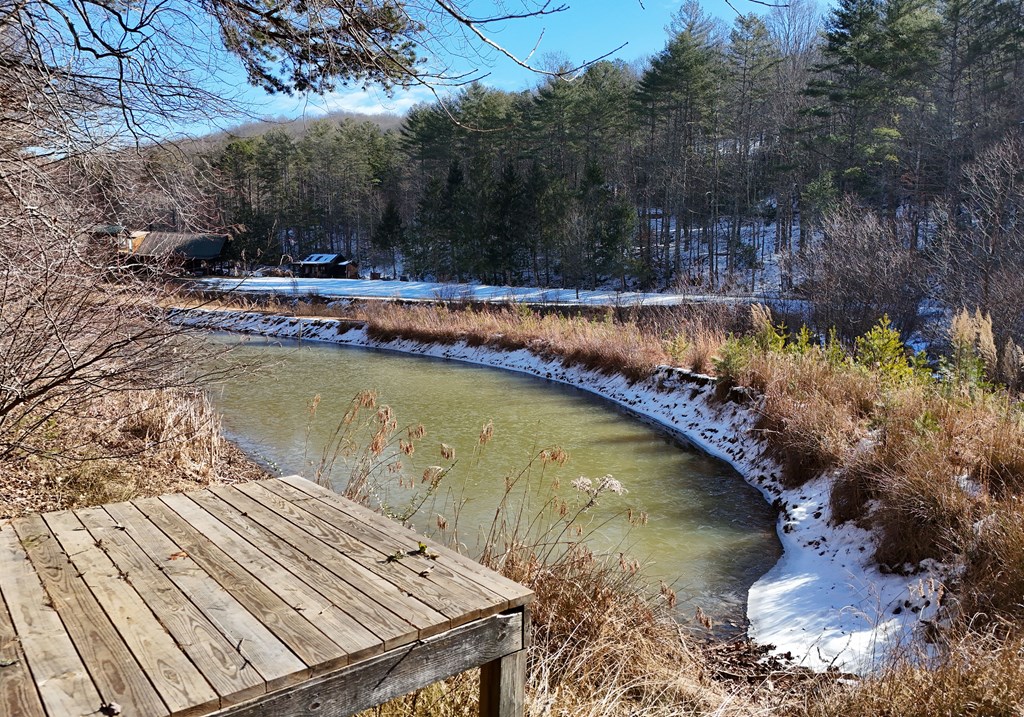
(584, 32)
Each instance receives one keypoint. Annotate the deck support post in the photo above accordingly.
(503, 681)
(503, 686)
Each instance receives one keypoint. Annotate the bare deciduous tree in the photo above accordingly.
(861, 269)
(980, 257)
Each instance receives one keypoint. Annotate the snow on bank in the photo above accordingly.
(823, 602)
(428, 291)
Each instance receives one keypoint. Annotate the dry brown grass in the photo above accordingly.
(935, 465)
(994, 577)
(812, 414)
(130, 445)
(603, 646)
(601, 345)
(628, 342)
(921, 514)
(976, 674)
(807, 434)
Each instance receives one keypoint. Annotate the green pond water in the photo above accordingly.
(708, 535)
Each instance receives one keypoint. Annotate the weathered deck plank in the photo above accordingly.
(378, 531)
(515, 593)
(397, 581)
(430, 580)
(177, 681)
(290, 626)
(354, 640)
(18, 695)
(111, 664)
(229, 672)
(60, 676)
(374, 602)
(249, 637)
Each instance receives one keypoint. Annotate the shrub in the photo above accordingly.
(881, 350)
(733, 359)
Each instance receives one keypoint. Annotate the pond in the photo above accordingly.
(708, 534)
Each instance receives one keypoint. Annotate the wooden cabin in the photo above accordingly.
(191, 251)
(326, 266)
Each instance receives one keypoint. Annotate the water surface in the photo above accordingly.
(709, 535)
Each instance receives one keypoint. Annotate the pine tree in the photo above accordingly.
(873, 92)
(508, 218)
(750, 59)
(389, 235)
(850, 89)
(675, 101)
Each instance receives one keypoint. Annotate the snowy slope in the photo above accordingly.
(823, 602)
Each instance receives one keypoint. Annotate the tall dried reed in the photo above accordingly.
(127, 445)
(601, 345)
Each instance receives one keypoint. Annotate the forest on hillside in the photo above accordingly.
(866, 158)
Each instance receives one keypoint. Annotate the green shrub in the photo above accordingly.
(734, 357)
(677, 346)
(881, 350)
(768, 337)
(804, 342)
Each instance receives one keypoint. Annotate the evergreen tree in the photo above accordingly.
(850, 88)
(676, 101)
(750, 60)
(389, 236)
(427, 253)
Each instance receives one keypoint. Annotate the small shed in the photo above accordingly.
(326, 266)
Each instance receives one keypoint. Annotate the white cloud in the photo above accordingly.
(371, 101)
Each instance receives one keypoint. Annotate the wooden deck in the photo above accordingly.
(271, 598)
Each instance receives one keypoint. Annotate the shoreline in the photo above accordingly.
(823, 604)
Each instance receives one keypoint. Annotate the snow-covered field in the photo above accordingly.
(823, 602)
(429, 291)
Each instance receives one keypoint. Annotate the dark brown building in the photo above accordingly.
(326, 266)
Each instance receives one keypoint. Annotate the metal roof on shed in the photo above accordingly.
(320, 259)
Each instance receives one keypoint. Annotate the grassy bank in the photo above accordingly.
(126, 445)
